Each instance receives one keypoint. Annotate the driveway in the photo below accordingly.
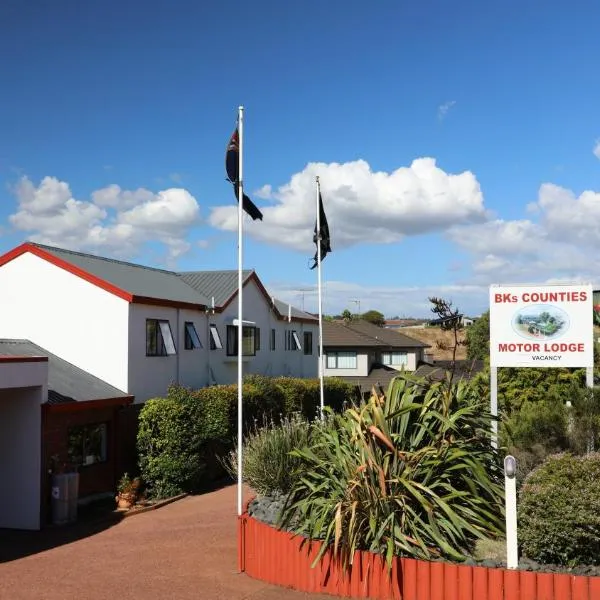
(186, 550)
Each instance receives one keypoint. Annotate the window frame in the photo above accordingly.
(215, 338)
(162, 347)
(191, 339)
(273, 340)
(232, 340)
(308, 343)
(336, 356)
(391, 354)
(103, 426)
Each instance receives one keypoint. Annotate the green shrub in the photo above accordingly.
(414, 475)
(268, 466)
(559, 511)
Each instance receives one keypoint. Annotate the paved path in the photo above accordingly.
(185, 550)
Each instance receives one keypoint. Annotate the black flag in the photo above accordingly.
(322, 235)
(232, 166)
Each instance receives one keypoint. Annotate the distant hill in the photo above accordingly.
(441, 341)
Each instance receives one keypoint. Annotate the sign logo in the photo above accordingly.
(540, 322)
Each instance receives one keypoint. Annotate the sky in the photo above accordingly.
(457, 143)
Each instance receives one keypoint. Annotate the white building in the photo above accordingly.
(140, 329)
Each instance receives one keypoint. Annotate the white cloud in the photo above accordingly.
(117, 221)
(596, 149)
(364, 206)
(265, 192)
(561, 244)
(444, 108)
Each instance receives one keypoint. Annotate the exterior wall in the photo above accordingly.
(279, 362)
(97, 478)
(20, 457)
(14, 374)
(150, 376)
(66, 315)
(363, 363)
(413, 357)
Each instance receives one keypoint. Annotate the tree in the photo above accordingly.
(478, 338)
(375, 317)
(450, 320)
(347, 315)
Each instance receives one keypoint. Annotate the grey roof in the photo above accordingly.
(379, 375)
(135, 279)
(283, 309)
(220, 285)
(463, 369)
(361, 333)
(66, 382)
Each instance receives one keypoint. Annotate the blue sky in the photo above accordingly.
(454, 141)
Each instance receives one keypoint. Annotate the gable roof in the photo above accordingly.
(220, 285)
(149, 285)
(66, 382)
(283, 308)
(361, 333)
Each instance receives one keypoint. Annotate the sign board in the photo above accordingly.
(541, 326)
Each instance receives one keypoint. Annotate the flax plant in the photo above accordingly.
(412, 474)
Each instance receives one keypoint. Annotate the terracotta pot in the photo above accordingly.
(125, 500)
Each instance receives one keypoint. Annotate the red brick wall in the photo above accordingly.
(93, 479)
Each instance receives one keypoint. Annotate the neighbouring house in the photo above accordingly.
(366, 355)
(140, 329)
(53, 416)
(404, 323)
(463, 321)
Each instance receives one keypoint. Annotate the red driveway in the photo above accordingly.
(184, 550)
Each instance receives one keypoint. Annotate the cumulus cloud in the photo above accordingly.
(444, 108)
(364, 206)
(596, 149)
(559, 243)
(265, 192)
(114, 220)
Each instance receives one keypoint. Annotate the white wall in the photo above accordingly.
(150, 376)
(362, 364)
(20, 457)
(66, 315)
(266, 362)
(23, 374)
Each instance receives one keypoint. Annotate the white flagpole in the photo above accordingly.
(321, 358)
(240, 304)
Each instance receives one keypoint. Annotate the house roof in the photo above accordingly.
(66, 382)
(283, 309)
(361, 333)
(463, 369)
(220, 285)
(138, 280)
(379, 375)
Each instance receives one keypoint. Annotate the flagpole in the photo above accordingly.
(240, 305)
(321, 387)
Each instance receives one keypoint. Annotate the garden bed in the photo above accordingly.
(281, 558)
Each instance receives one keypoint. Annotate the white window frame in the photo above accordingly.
(297, 344)
(335, 356)
(191, 335)
(215, 337)
(397, 358)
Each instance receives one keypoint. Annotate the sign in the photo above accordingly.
(541, 326)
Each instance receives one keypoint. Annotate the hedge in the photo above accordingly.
(182, 438)
(559, 511)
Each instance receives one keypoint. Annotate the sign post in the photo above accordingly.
(539, 326)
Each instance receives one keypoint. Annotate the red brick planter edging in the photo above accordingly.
(277, 557)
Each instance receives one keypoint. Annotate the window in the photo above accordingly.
(341, 360)
(159, 339)
(87, 444)
(215, 339)
(394, 359)
(292, 341)
(272, 341)
(192, 341)
(308, 342)
(249, 346)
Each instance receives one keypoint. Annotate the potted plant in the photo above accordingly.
(128, 491)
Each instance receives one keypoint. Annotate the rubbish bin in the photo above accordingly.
(73, 495)
(60, 498)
